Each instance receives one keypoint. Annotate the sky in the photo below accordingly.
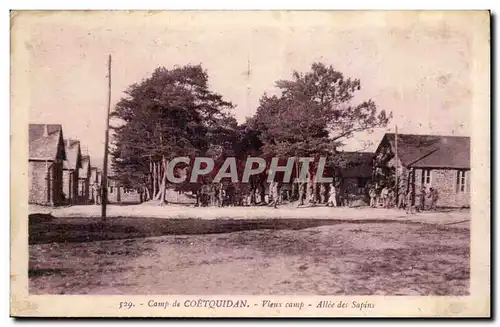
(415, 65)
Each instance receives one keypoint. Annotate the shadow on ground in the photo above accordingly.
(48, 229)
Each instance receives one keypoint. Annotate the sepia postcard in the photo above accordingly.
(250, 164)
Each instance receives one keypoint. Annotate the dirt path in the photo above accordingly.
(284, 212)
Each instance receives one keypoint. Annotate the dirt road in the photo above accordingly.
(356, 258)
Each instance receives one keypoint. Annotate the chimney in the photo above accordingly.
(45, 130)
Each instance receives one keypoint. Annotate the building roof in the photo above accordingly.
(44, 142)
(84, 171)
(73, 154)
(432, 151)
(355, 164)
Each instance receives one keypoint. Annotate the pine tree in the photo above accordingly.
(170, 114)
(313, 116)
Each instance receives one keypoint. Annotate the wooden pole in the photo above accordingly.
(104, 181)
(396, 164)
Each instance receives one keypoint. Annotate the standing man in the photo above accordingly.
(401, 197)
(284, 195)
(409, 198)
(272, 195)
(213, 198)
(97, 193)
(230, 194)
(373, 196)
(422, 199)
(274, 191)
(384, 194)
(302, 193)
(322, 193)
(343, 197)
(333, 196)
(216, 195)
(310, 191)
(205, 195)
(433, 194)
(221, 195)
(409, 201)
(141, 195)
(390, 198)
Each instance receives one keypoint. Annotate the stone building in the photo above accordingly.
(440, 162)
(45, 164)
(84, 174)
(355, 174)
(72, 164)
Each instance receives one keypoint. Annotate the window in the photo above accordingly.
(426, 176)
(461, 181)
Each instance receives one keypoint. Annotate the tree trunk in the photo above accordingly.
(164, 180)
(161, 191)
(149, 184)
(310, 188)
(158, 179)
(158, 186)
(164, 194)
(252, 193)
(154, 179)
(162, 187)
(295, 186)
(262, 190)
(270, 187)
(314, 188)
(294, 196)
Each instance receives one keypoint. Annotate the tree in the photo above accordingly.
(313, 116)
(170, 114)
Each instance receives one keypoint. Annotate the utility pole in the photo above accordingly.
(396, 163)
(104, 181)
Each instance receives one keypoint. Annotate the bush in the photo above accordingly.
(40, 217)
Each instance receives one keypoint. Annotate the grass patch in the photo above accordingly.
(67, 230)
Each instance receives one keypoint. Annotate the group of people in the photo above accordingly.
(217, 195)
(406, 198)
(325, 194)
(386, 195)
(432, 195)
(330, 195)
(307, 194)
